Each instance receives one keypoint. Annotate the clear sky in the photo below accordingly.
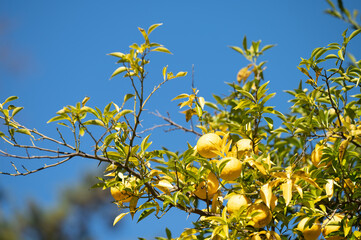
(53, 53)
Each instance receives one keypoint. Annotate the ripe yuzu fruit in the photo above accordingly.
(232, 169)
(261, 215)
(207, 188)
(208, 145)
(235, 202)
(309, 233)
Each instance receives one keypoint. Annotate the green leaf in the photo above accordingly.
(122, 113)
(59, 118)
(244, 43)
(154, 26)
(340, 54)
(144, 145)
(16, 110)
(267, 47)
(168, 232)
(127, 97)
(119, 217)
(24, 131)
(180, 96)
(145, 214)
(117, 54)
(94, 122)
(109, 139)
(161, 49)
(237, 49)
(247, 94)
(269, 122)
(118, 70)
(145, 35)
(211, 105)
(354, 34)
(12, 98)
(90, 110)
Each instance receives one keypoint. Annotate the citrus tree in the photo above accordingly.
(254, 173)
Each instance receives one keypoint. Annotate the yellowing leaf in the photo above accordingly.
(342, 148)
(299, 190)
(117, 71)
(119, 217)
(133, 206)
(260, 167)
(266, 194)
(201, 102)
(188, 233)
(287, 191)
(329, 188)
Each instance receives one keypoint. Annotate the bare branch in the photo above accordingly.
(36, 170)
(172, 123)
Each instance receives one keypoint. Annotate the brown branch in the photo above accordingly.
(36, 170)
(172, 123)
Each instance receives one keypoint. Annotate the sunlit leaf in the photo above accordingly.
(118, 70)
(161, 49)
(119, 217)
(12, 98)
(287, 191)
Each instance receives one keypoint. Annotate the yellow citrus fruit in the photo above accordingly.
(261, 215)
(208, 145)
(122, 196)
(332, 225)
(242, 147)
(316, 156)
(232, 169)
(235, 202)
(207, 188)
(269, 235)
(309, 233)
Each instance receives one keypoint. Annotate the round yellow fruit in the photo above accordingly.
(208, 145)
(269, 235)
(207, 188)
(262, 216)
(121, 196)
(232, 169)
(332, 225)
(317, 155)
(309, 233)
(237, 201)
(242, 147)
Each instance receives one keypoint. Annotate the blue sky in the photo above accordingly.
(57, 56)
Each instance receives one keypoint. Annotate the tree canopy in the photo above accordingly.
(255, 172)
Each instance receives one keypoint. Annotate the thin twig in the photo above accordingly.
(172, 123)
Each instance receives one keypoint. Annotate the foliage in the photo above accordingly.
(306, 168)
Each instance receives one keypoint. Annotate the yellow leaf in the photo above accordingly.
(329, 188)
(349, 184)
(287, 191)
(133, 206)
(188, 232)
(342, 148)
(201, 102)
(299, 190)
(215, 203)
(357, 234)
(279, 175)
(266, 194)
(119, 217)
(259, 166)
